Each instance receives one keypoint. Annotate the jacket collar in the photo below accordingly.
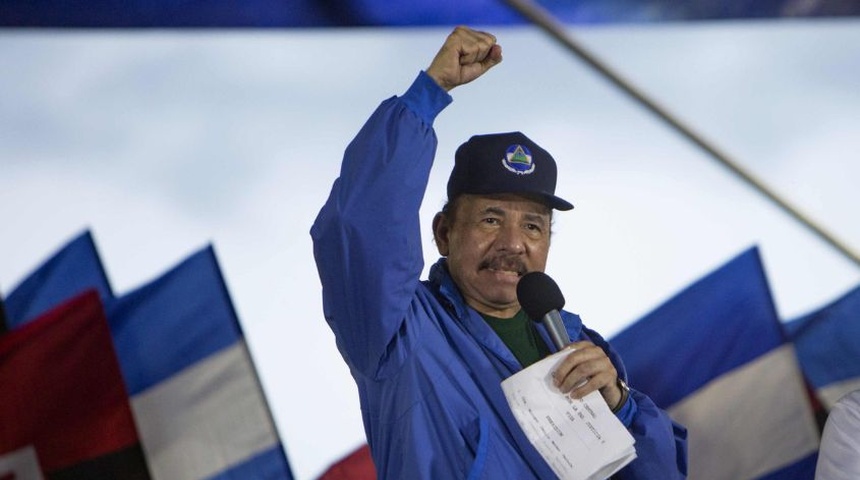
(468, 318)
(497, 357)
(441, 279)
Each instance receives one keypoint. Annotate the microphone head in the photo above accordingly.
(538, 294)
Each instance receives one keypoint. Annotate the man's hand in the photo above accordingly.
(466, 55)
(586, 369)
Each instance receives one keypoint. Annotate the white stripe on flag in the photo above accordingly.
(204, 419)
(750, 421)
(830, 394)
(21, 464)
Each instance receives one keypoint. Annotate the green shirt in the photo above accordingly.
(520, 336)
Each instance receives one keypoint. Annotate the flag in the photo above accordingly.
(365, 13)
(827, 343)
(64, 410)
(357, 465)
(715, 357)
(73, 269)
(198, 403)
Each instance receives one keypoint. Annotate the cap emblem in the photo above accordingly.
(518, 159)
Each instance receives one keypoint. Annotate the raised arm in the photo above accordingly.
(367, 239)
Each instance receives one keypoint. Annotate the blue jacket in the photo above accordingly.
(428, 367)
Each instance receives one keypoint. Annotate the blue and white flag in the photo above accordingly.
(715, 357)
(196, 398)
(827, 342)
(73, 269)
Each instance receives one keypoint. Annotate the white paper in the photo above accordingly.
(580, 439)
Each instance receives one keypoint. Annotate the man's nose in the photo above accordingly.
(511, 238)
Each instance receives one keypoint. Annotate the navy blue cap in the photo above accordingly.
(505, 163)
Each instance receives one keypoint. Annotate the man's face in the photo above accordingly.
(491, 243)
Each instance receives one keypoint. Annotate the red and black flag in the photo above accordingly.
(64, 409)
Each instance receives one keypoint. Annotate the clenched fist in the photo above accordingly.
(466, 55)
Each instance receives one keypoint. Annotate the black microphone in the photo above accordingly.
(541, 298)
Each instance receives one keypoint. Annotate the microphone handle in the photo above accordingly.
(555, 327)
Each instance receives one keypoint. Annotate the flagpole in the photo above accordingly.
(2, 317)
(543, 19)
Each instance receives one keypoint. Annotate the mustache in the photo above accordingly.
(504, 262)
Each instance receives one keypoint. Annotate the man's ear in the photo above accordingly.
(441, 229)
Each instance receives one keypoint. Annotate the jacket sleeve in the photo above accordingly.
(661, 443)
(367, 240)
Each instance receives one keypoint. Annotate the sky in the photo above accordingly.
(161, 141)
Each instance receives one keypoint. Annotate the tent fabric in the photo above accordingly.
(364, 13)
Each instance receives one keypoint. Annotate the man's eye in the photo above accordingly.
(534, 227)
(491, 221)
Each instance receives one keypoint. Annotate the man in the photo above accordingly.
(428, 357)
(839, 454)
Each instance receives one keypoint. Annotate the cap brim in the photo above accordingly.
(558, 203)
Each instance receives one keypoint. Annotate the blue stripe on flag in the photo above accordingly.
(827, 341)
(801, 470)
(271, 464)
(70, 271)
(173, 322)
(717, 324)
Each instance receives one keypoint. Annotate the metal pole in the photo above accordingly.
(3, 328)
(543, 19)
